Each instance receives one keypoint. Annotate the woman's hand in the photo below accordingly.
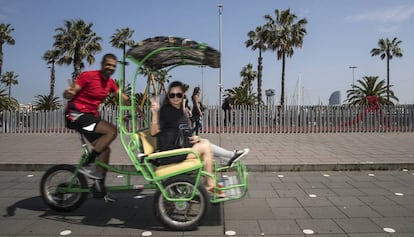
(155, 107)
(155, 104)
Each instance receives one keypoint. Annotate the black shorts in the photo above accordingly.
(84, 123)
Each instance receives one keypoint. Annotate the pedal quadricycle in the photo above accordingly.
(180, 199)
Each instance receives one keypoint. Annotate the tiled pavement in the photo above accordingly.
(284, 204)
(269, 152)
(323, 199)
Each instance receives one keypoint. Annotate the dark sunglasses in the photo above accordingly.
(178, 95)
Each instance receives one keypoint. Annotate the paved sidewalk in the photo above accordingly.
(319, 200)
(269, 152)
(282, 204)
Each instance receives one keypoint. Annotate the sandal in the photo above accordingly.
(215, 190)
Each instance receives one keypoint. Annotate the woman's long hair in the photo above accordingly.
(173, 84)
(195, 92)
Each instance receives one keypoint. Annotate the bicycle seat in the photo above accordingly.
(148, 150)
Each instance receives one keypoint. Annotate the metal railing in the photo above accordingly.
(245, 119)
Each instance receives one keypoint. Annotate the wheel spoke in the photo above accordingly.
(181, 214)
(55, 188)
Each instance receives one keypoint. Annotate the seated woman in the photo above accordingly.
(166, 121)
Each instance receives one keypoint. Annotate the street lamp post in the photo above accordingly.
(202, 83)
(270, 93)
(220, 11)
(353, 75)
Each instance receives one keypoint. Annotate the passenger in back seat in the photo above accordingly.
(165, 122)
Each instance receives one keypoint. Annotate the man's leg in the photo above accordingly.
(101, 147)
(225, 117)
(100, 134)
(104, 157)
(108, 134)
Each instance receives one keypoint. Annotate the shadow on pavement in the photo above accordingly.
(129, 211)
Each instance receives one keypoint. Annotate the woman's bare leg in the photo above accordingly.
(204, 148)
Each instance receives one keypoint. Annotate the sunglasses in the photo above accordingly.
(178, 95)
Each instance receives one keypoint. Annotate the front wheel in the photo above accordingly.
(58, 178)
(181, 215)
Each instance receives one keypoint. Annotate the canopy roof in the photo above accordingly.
(162, 51)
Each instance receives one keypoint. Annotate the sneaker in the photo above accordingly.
(237, 156)
(90, 171)
(109, 198)
(98, 189)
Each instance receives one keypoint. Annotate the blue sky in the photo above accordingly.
(340, 34)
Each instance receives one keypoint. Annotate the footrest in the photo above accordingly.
(234, 182)
(229, 182)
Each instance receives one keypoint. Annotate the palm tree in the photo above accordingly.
(370, 86)
(112, 98)
(248, 75)
(47, 102)
(5, 38)
(284, 34)
(388, 49)
(162, 78)
(159, 78)
(75, 42)
(3, 97)
(241, 96)
(7, 103)
(257, 40)
(9, 79)
(10, 104)
(120, 40)
(50, 57)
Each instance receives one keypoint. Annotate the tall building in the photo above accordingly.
(335, 98)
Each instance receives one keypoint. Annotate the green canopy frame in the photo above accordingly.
(162, 52)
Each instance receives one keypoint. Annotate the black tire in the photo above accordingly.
(181, 215)
(60, 176)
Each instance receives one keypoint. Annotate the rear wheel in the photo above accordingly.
(60, 176)
(181, 215)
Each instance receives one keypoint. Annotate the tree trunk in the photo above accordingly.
(388, 78)
(1, 57)
(259, 77)
(52, 80)
(282, 93)
(77, 61)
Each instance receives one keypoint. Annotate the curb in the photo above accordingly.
(250, 167)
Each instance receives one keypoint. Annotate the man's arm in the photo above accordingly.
(71, 91)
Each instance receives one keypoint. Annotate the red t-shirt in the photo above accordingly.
(93, 92)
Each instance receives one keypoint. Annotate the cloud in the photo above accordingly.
(7, 9)
(395, 14)
(388, 28)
